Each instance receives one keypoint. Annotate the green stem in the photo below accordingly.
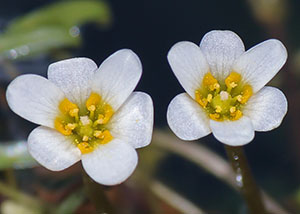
(20, 197)
(96, 193)
(245, 180)
(10, 178)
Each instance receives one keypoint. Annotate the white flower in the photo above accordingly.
(226, 92)
(86, 113)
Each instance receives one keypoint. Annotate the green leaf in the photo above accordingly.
(51, 27)
(34, 42)
(65, 14)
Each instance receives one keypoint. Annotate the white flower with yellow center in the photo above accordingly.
(226, 92)
(86, 113)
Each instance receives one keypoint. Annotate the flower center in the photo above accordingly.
(223, 100)
(86, 126)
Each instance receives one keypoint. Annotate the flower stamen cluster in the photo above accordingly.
(223, 100)
(85, 126)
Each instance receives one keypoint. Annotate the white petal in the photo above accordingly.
(266, 109)
(233, 133)
(188, 64)
(261, 63)
(117, 77)
(52, 149)
(112, 163)
(221, 48)
(34, 98)
(133, 122)
(74, 77)
(187, 119)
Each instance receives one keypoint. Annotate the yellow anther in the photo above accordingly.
(71, 126)
(65, 106)
(232, 109)
(218, 109)
(209, 98)
(108, 113)
(203, 102)
(59, 126)
(106, 137)
(85, 138)
(216, 86)
(215, 116)
(74, 113)
(239, 98)
(210, 82)
(198, 98)
(92, 108)
(232, 85)
(92, 102)
(100, 120)
(236, 115)
(94, 99)
(97, 133)
(85, 147)
(247, 93)
(233, 79)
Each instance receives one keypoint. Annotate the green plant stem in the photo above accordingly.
(10, 177)
(96, 193)
(207, 160)
(244, 179)
(20, 197)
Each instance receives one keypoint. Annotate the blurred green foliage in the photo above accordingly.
(15, 155)
(51, 27)
(71, 203)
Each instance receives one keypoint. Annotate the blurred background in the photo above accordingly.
(172, 176)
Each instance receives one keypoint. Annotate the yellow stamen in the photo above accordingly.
(74, 113)
(218, 109)
(85, 138)
(94, 99)
(209, 98)
(236, 115)
(97, 133)
(215, 86)
(65, 106)
(246, 93)
(106, 136)
(232, 80)
(100, 120)
(59, 126)
(71, 126)
(92, 108)
(215, 116)
(239, 98)
(198, 98)
(232, 109)
(85, 147)
(108, 113)
(210, 82)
